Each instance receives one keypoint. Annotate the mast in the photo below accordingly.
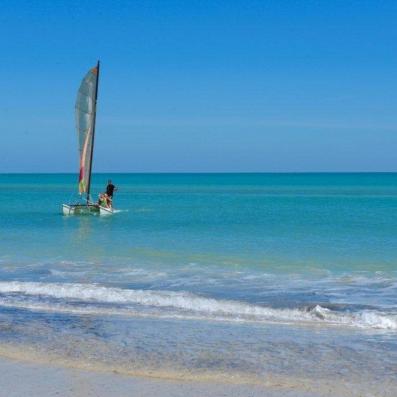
(93, 132)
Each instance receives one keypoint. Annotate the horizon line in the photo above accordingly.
(201, 172)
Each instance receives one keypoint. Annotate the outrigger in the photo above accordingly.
(85, 112)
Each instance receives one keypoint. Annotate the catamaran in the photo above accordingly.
(85, 113)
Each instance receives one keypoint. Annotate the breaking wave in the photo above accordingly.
(98, 299)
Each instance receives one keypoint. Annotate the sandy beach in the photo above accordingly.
(47, 379)
(31, 379)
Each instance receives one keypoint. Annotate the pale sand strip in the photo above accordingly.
(20, 379)
(24, 372)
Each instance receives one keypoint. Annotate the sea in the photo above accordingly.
(251, 277)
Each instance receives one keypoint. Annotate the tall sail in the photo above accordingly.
(85, 112)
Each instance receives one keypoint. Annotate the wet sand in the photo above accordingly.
(18, 378)
(30, 379)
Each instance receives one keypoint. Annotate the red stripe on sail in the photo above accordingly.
(81, 174)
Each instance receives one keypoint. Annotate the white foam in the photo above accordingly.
(118, 211)
(184, 304)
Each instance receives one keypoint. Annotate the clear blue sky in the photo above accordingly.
(202, 85)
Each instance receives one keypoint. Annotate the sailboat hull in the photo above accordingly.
(105, 211)
(85, 209)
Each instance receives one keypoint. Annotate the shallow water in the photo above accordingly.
(247, 273)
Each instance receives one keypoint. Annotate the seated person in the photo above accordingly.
(103, 200)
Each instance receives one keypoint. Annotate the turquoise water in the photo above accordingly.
(252, 273)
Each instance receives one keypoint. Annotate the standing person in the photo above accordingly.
(110, 188)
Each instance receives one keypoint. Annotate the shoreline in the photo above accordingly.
(32, 373)
(22, 378)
